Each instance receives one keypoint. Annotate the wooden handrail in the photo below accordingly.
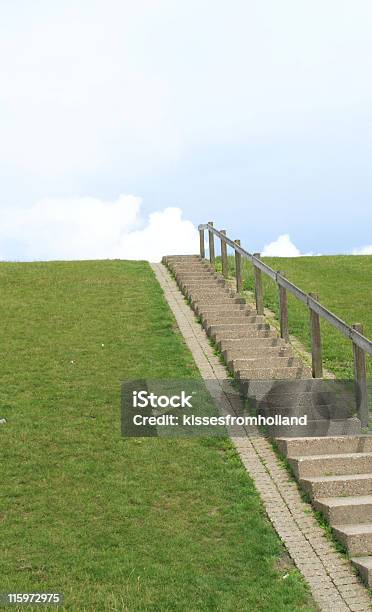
(347, 330)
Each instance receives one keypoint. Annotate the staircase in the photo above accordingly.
(331, 460)
(336, 473)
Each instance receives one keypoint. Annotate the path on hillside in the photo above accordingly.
(333, 584)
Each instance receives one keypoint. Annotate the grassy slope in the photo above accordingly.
(117, 524)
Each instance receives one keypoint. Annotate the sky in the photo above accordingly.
(123, 125)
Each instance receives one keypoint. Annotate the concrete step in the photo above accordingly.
(314, 412)
(225, 300)
(241, 344)
(300, 447)
(307, 399)
(240, 330)
(331, 465)
(349, 484)
(250, 352)
(191, 267)
(264, 362)
(198, 274)
(211, 283)
(357, 538)
(315, 427)
(364, 567)
(212, 296)
(247, 319)
(227, 309)
(235, 320)
(345, 510)
(272, 373)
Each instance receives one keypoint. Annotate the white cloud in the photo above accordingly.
(281, 247)
(90, 228)
(365, 250)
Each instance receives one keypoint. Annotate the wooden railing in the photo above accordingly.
(361, 344)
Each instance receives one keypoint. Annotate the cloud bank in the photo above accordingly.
(284, 247)
(89, 228)
(281, 247)
(365, 250)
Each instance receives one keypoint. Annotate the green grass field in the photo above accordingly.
(114, 523)
(344, 286)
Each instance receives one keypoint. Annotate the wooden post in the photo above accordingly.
(316, 341)
(202, 245)
(238, 269)
(211, 245)
(258, 287)
(283, 311)
(225, 271)
(360, 379)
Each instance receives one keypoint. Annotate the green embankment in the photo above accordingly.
(113, 523)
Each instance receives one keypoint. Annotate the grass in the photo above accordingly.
(114, 523)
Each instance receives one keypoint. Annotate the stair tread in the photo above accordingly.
(365, 560)
(332, 455)
(346, 477)
(345, 501)
(355, 528)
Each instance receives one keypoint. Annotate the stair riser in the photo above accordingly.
(337, 488)
(364, 570)
(328, 446)
(196, 276)
(208, 295)
(224, 310)
(251, 344)
(360, 544)
(315, 427)
(232, 334)
(256, 352)
(323, 412)
(345, 515)
(331, 466)
(272, 373)
(236, 313)
(210, 285)
(307, 400)
(235, 320)
(261, 362)
(221, 302)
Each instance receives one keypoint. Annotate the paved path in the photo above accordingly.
(332, 581)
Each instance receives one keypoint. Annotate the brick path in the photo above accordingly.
(333, 584)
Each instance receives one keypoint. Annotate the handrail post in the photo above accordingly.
(212, 257)
(258, 287)
(316, 341)
(360, 379)
(202, 245)
(283, 311)
(238, 269)
(224, 255)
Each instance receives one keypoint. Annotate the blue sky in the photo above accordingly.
(254, 114)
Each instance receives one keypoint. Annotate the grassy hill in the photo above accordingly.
(114, 523)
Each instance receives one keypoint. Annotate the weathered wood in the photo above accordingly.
(212, 257)
(258, 287)
(202, 245)
(225, 270)
(238, 269)
(316, 342)
(303, 297)
(283, 311)
(361, 389)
